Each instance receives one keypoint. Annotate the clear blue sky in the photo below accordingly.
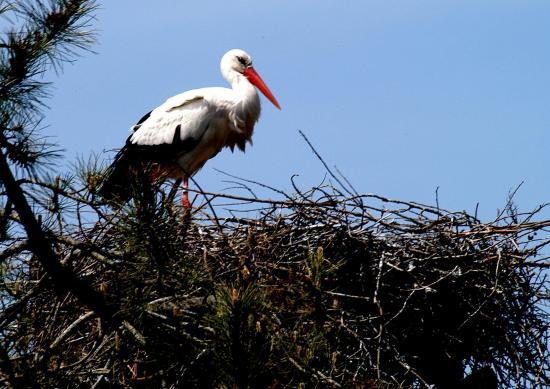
(403, 96)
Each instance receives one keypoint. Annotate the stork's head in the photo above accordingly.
(237, 61)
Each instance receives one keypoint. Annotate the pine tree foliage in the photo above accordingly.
(323, 288)
(47, 34)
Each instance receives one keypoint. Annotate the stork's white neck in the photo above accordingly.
(247, 107)
(242, 86)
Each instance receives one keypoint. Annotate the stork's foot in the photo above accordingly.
(185, 196)
(185, 201)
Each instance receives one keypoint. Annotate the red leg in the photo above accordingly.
(185, 195)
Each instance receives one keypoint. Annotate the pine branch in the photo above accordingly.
(64, 279)
(51, 33)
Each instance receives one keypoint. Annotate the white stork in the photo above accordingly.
(177, 138)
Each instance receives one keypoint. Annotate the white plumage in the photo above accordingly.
(180, 135)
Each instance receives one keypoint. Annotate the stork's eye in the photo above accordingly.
(242, 60)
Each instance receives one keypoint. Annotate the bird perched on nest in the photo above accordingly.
(177, 138)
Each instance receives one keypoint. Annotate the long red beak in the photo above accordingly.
(256, 80)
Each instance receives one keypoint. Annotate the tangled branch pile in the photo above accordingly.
(317, 289)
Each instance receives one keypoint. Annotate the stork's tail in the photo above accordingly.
(117, 184)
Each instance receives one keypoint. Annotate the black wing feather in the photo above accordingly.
(120, 177)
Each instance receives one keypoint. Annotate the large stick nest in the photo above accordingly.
(319, 288)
